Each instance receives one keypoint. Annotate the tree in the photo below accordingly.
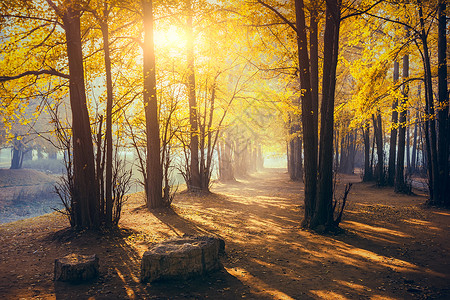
(195, 182)
(443, 103)
(308, 117)
(400, 184)
(154, 170)
(324, 212)
(85, 189)
(393, 138)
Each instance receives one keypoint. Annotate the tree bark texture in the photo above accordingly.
(85, 193)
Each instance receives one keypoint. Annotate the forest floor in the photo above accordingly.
(392, 247)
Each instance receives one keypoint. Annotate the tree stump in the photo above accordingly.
(76, 267)
(180, 258)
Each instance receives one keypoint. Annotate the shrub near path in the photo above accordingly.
(392, 248)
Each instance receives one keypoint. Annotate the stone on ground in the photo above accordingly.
(76, 267)
(181, 258)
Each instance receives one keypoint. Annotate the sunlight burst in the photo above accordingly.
(170, 37)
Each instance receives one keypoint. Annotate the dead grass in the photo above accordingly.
(392, 248)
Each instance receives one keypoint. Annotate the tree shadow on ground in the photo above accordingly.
(268, 252)
(120, 268)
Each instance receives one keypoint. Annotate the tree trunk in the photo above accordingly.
(226, 172)
(378, 136)
(298, 159)
(324, 212)
(393, 139)
(368, 173)
(443, 113)
(414, 146)
(400, 185)
(308, 116)
(154, 169)
(85, 193)
(17, 154)
(195, 179)
(261, 157)
(108, 134)
(430, 130)
(337, 154)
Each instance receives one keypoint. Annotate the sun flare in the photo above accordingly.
(170, 37)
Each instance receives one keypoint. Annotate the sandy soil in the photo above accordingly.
(392, 248)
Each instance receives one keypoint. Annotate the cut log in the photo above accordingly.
(76, 267)
(181, 258)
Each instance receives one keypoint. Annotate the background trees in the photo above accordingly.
(215, 77)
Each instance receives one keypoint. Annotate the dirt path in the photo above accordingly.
(392, 249)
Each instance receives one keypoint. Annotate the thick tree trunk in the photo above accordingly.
(308, 117)
(85, 193)
(393, 139)
(443, 113)
(324, 212)
(154, 169)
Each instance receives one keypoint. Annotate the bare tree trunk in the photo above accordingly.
(414, 147)
(400, 185)
(368, 173)
(109, 105)
(154, 169)
(324, 212)
(261, 157)
(443, 113)
(308, 116)
(430, 131)
(298, 158)
(226, 172)
(378, 136)
(193, 116)
(393, 139)
(17, 154)
(85, 194)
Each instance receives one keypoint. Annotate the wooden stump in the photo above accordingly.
(76, 267)
(180, 258)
